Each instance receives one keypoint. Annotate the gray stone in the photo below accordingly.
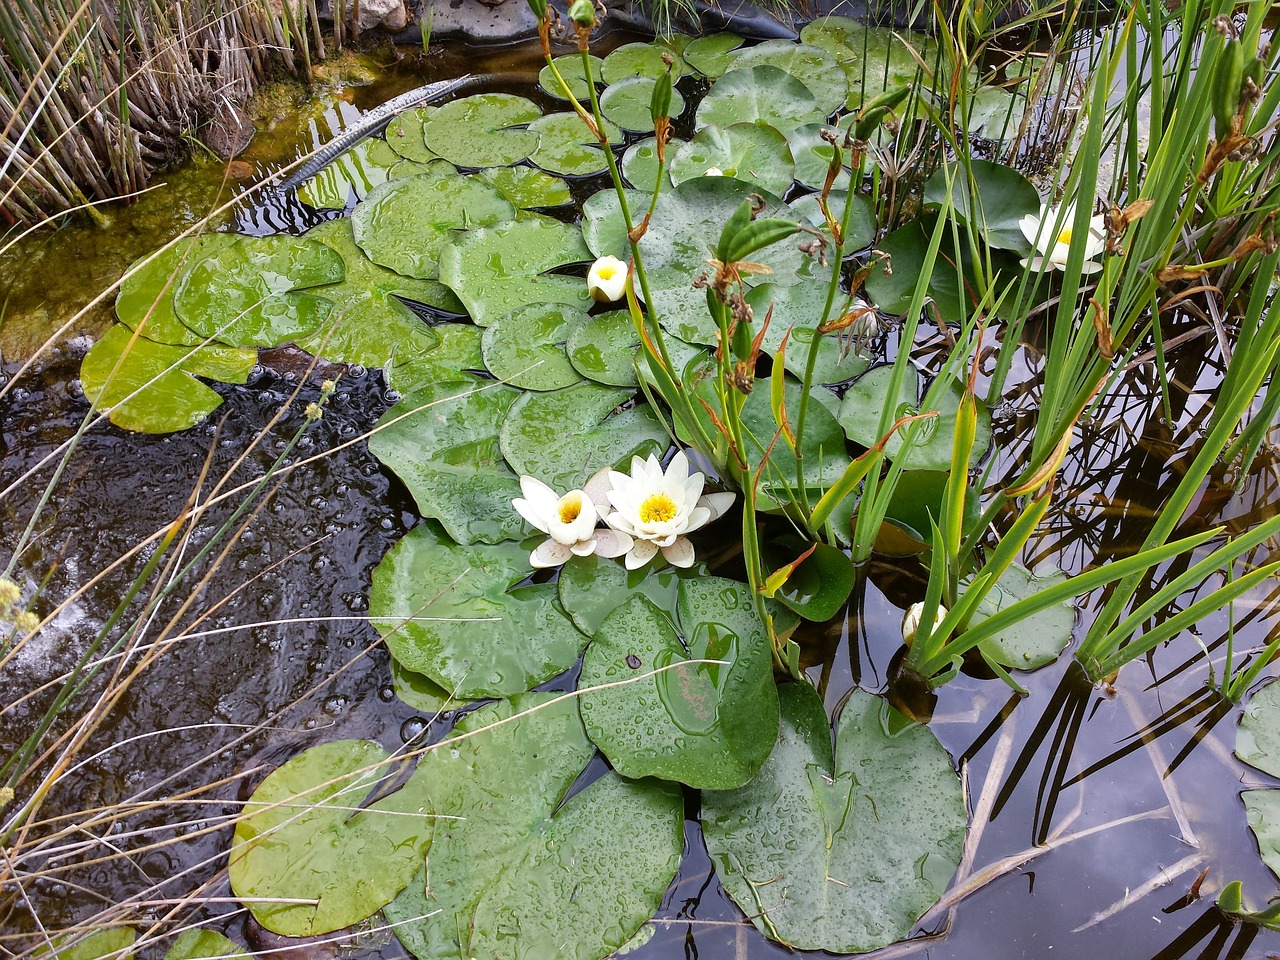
(387, 14)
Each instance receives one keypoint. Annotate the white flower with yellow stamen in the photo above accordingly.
(1050, 235)
(607, 280)
(658, 508)
(569, 522)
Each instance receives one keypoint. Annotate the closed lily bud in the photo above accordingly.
(911, 620)
(583, 13)
(607, 280)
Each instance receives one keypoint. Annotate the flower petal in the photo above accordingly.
(597, 489)
(1090, 267)
(549, 554)
(680, 553)
(640, 553)
(542, 497)
(717, 503)
(699, 517)
(535, 517)
(612, 543)
(583, 548)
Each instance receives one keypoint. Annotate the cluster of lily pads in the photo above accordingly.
(487, 848)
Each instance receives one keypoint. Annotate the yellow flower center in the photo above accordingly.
(1065, 236)
(570, 509)
(607, 273)
(657, 508)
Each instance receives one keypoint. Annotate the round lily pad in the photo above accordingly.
(641, 60)
(1035, 641)
(482, 130)
(602, 223)
(527, 188)
(592, 588)
(307, 833)
(457, 356)
(573, 73)
(797, 310)
(640, 163)
(568, 147)
(713, 54)
(526, 348)
(1258, 736)
(628, 104)
(759, 94)
(839, 850)
(1005, 196)
(405, 137)
(748, 151)
(357, 171)
(200, 944)
(145, 300)
(813, 66)
(1263, 810)
(812, 156)
(109, 942)
(603, 347)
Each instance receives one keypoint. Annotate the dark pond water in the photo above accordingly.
(1098, 809)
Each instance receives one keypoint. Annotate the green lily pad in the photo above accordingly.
(568, 147)
(640, 163)
(454, 358)
(442, 442)
(996, 113)
(641, 60)
(480, 130)
(839, 850)
(1035, 641)
(706, 725)
(145, 300)
(812, 157)
(244, 294)
(1258, 736)
(915, 506)
(1263, 810)
(628, 103)
(1005, 196)
(813, 66)
(592, 588)
(818, 588)
(893, 289)
(527, 188)
(573, 73)
(875, 59)
(798, 309)
(603, 348)
(762, 94)
(199, 944)
(564, 437)
(521, 860)
(602, 225)
(932, 439)
(713, 54)
(496, 269)
(421, 692)
(405, 224)
(113, 942)
(405, 135)
(413, 168)
(151, 387)
(526, 348)
(357, 171)
(370, 324)
(748, 151)
(451, 612)
(306, 834)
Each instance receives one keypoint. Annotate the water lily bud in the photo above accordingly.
(583, 13)
(607, 280)
(911, 620)
(660, 103)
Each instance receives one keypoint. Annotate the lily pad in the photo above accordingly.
(151, 387)
(442, 442)
(451, 612)
(145, 300)
(454, 358)
(112, 942)
(520, 861)
(405, 135)
(199, 944)
(404, 224)
(603, 348)
(748, 151)
(602, 225)
(564, 437)
(526, 348)
(245, 293)
(592, 588)
(628, 103)
(839, 850)
(1258, 736)
(496, 269)
(798, 309)
(707, 725)
(1004, 197)
(914, 507)
(818, 588)
(1263, 810)
(812, 157)
(640, 163)
(762, 94)
(932, 440)
(641, 60)
(306, 833)
(481, 130)
(1032, 642)
(357, 171)
(893, 289)
(370, 325)
(713, 54)
(568, 147)
(813, 66)
(996, 113)
(421, 692)
(573, 73)
(527, 188)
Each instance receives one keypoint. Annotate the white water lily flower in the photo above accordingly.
(911, 620)
(657, 508)
(569, 521)
(1053, 246)
(607, 280)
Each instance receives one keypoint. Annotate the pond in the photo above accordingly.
(355, 581)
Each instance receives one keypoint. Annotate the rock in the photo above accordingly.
(387, 14)
(229, 130)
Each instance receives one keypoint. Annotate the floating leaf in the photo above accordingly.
(442, 442)
(875, 59)
(892, 290)
(526, 348)
(1263, 809)
(641, 60)
(602, 224)
(568, 147)
(628, 104)
(108, 942)
(798, 309)
(369, 324)
(839, 851)
(1004, 197)
(453, 358)
(862, 218)
(527, 188)
(244, 293)
(405, 135)
(357, 171)
(421, 692)
(496, 269)
(813, 66)
(307, 834)
(562, 438)
(759, 94)
(158, 380)
(933, 439)
(451, 612)
(404, 224)
(640, 163)
(199, 944)
(914, 507)
(145, 300)
(1033, 641)
(995, 113)
(519, 858)
(1258, 736)
(812, 156)
(592, 588)
(820, 585)
(748, 151)
(478, 131)
(707, 725)
(713, 54)
(573, 73)
(603, 348)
